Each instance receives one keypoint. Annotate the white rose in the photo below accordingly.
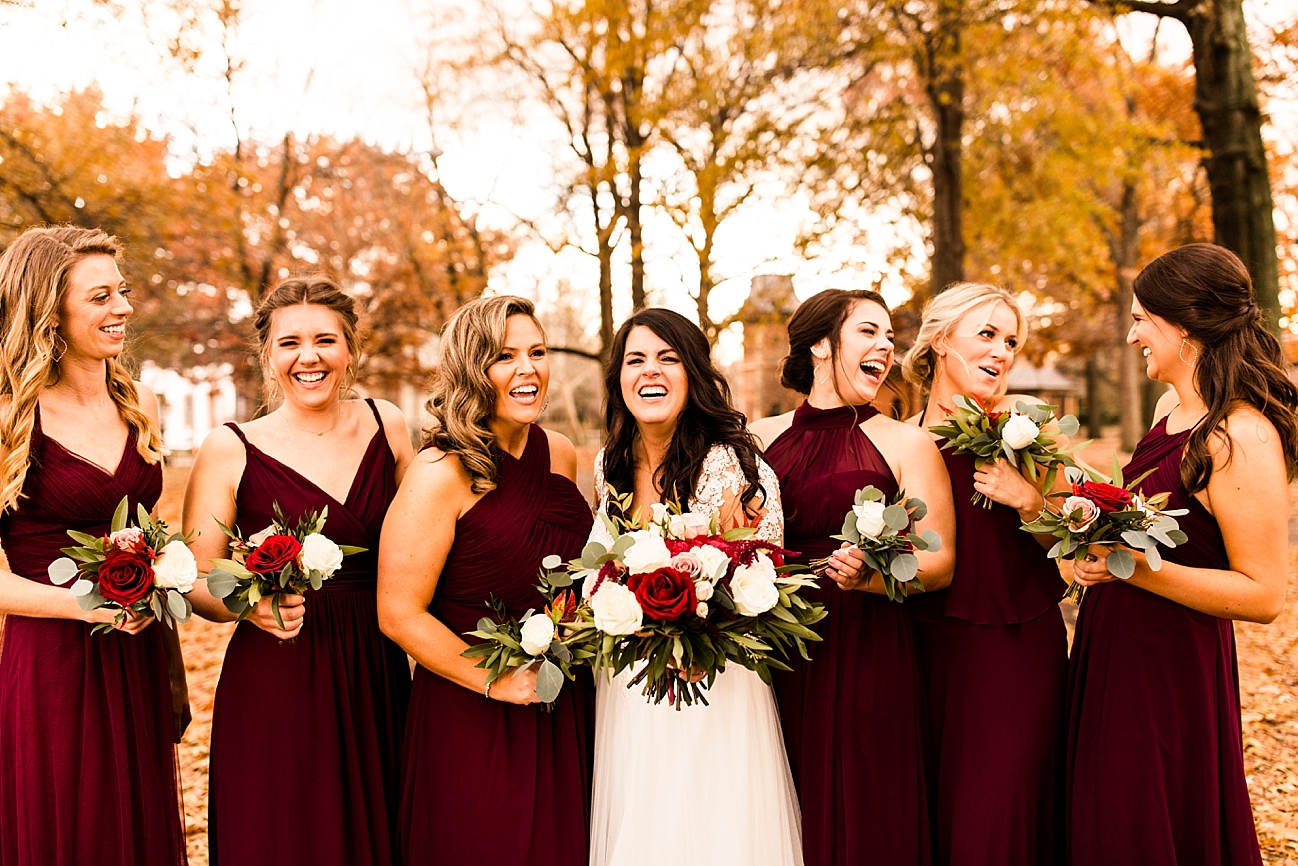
(701, 610)
(658, 512)
(715, 562)
(616, 610)
(175, 567)
(753, 586)
(537, 633)
(647, 553)
(695, 524)
(1019, 431)
(320, 554)
(702, 590)
(869, 518)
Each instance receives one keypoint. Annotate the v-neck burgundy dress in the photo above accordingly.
(487, 781)
(995, 656)
(87, 763)
(853, 715)
(1155, 765)
(306, 735)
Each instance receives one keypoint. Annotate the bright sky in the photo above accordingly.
(346, 66)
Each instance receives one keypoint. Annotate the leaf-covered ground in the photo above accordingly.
(1268, 681)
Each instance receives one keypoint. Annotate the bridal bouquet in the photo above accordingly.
(676, 594)
(551, 639)
(885, 533)
(1099, 512)
(1017, 435)
(144, 568)
(280, 559)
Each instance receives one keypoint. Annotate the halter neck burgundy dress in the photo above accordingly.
(306, 735)
(87, 763)
(995, 657)
(486, 781)
(1155, 763)
(852, 717)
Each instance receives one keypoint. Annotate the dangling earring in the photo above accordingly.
(60, 347)
(1180, 353)
(816, 377)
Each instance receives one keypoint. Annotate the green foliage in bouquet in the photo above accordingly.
(885, 534)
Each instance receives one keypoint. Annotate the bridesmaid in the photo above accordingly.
(853, 717)
(87, 765)
(994, 646)
(1155, 769)
(487, 777)
(306, 735)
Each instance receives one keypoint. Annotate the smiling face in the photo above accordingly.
(521, 372)
(655, 386)
(1159, 341)
(863, 358)
(976, 355)
(309, 355)
(92, 317)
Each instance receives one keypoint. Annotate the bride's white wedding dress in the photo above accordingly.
(705, 785)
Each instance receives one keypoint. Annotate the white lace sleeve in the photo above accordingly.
(723, 475)
(599, 532)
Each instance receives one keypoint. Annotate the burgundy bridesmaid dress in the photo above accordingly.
(853, 716)
(486, 781)
(306, 735)
(1155, 765)
(995, 654)
(87, 763)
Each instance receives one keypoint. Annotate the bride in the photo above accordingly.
(707, 785)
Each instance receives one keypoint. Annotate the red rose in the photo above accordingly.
(125, 577)
(273, 554)
(1106, 496)
(665, 594)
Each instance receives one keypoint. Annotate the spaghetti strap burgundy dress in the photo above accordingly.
(995, 654)
(486, 781)
(1155, 764)
(87, 763)
(306, 735)
(853, 716)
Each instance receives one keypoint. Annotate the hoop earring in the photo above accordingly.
(1180, 353)
(60, 346)
(816, 377)
(546, 404)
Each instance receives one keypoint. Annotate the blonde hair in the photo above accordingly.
(463, 396)
(941, 314)
(33, 284)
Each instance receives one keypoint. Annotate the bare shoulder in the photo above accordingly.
(1165, 404)
(563, 455)
(148, 400)
(392, 417)
(767, 430)
(220, 444)
(1249, 431)
(889, 431)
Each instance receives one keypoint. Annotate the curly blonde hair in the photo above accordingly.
(33, 284)
(463, 397)
(941, 314)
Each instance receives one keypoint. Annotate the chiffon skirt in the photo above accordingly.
(702, 786)
(87, 762)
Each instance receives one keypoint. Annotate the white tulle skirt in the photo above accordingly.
(705, 786)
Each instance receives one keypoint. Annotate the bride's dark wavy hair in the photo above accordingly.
(1206, 290)
(707, 419)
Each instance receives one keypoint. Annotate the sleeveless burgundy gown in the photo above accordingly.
(486, 781)
(87, 764)
(853, 716)
(995, 654)
(306, 735)
(1155, 763)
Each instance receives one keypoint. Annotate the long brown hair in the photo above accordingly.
(463, 397)
(312, 289)
(820, 316)
(33, 284)
(1206, 290)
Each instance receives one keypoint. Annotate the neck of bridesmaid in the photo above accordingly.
(511, 436)
(83, 381)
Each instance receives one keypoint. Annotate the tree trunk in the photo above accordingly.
(1094, 427)
(1124, 248)
(634, 230)
(1225, 98)
(946, 96)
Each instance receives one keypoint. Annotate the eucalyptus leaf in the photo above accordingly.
(933, 539)
(559, 650)
(1069, 425)
(177, 605)
(849, 528)
(1153, 557)
(62, 570)
(551, 562)
(549, 682)
(1056, 551)
(1136, 538)
(559, 579)
(220, 583)
(1121, 563)
(91, 600)
(904, 567)
(82, 587)
(1177, 537)
(918, 509)
(895, 517)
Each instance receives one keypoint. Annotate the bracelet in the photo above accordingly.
(486, 692)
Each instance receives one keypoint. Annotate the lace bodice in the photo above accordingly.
(721, 475)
